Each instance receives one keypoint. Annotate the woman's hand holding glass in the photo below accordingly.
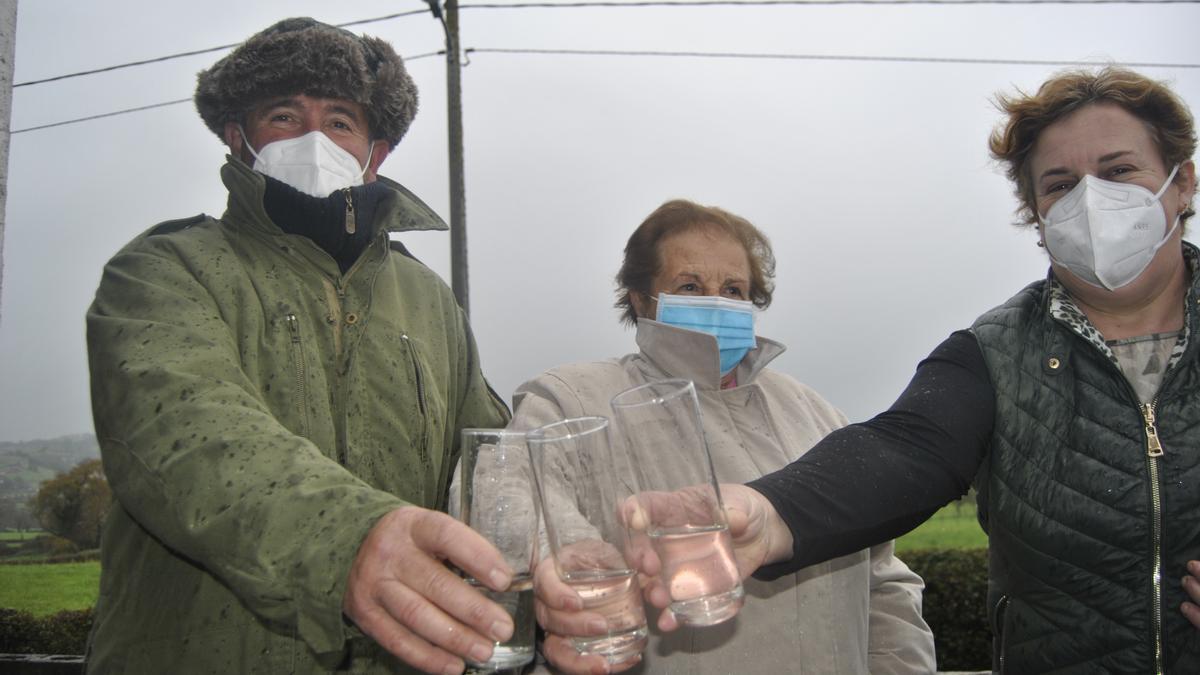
(759, 536)
(662, 433)
(561, 612)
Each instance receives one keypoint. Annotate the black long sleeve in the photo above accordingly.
(873, 481)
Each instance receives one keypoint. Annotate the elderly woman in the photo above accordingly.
(860, 612)
(1074, 407)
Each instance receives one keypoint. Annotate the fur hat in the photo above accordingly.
(305, 56)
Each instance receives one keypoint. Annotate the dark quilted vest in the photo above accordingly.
(1065, 495)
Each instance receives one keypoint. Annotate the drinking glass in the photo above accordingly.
(580, 493)
(496, 499)
(660, 428)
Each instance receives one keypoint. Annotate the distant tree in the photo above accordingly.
(73, 505)
(14, 515)
(25, 520)
(8, 514)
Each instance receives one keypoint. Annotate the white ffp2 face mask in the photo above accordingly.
(312, 163)
(1107, 233)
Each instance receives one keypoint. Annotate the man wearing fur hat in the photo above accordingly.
(279, 392)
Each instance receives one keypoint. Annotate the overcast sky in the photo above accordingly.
(891, 225)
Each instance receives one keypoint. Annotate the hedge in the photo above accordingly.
(955, 606)
(80, 556)
(62, 633)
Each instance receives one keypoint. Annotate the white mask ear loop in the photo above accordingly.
(246, 141)
(1167, 183)
(1157, 197)
(370, 153)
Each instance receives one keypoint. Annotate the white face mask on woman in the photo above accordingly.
(1107, 233)
(312, 163)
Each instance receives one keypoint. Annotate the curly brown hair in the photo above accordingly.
(1168, 118)
(642, 261)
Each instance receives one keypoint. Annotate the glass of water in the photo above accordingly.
(660, 429)
(493, 493)
(581, 491)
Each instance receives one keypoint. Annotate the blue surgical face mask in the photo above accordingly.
(731, 321)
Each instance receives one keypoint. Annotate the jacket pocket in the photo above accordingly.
(422, 436)
(299, 373)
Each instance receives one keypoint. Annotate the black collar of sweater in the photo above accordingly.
(323, 219)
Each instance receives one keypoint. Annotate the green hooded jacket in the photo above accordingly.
(257, 412)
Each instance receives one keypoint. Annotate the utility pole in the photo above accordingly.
(458, 192)
(8, 41)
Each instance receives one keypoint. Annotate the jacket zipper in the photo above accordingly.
(351, 221)
(1001, 610)
(1154, 451)
(335, 296)
(298, 369)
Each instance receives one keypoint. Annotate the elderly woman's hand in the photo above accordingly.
(759, 535)
(1191, 586)
(560, 612)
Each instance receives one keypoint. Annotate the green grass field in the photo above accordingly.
(10, 535)
(954, 526)
(16, 545)
(46, 589)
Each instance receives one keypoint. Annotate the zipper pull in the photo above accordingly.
(351, 225)
(1153, 445)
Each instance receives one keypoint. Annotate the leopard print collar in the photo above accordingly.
(1063, 308)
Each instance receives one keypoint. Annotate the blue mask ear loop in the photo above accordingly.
(654, 299)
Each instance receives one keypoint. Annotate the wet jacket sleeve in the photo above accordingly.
(870, 482)
(900, 642)
(481, 407)
(197, 459)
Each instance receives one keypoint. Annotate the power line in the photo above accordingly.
(156, 105)
(631, 3)
(388, 17)
(814, 57)
(102, 115)
(131, 64)
(181, 55)
(760, 3)
(688, 54)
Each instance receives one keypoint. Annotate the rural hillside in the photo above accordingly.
(25, 464)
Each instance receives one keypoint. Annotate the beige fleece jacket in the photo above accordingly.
(856, 614)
